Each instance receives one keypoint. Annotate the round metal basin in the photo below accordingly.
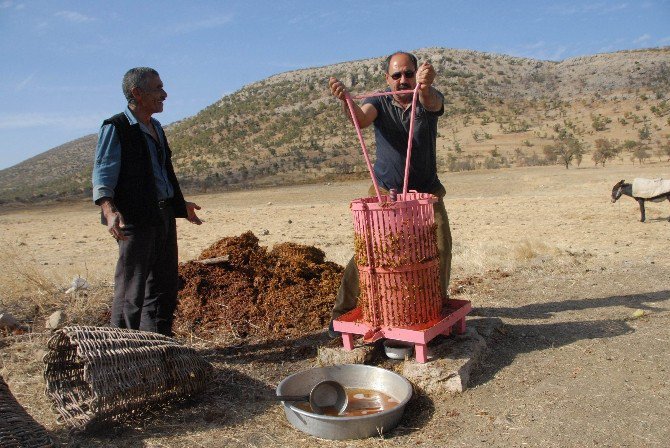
(350, 376)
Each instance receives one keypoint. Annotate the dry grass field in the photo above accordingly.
(574, 363)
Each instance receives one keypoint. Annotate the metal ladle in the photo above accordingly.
(324, 396)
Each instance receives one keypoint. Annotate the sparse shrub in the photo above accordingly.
(665, 149)
(526, 250)
(640, 153)
(455, 164)
(456, 74)
(566, 149)
(645, 132)
(550, 153)
(456, 144)
(515, 127)
(662, 108)
(658, 152)
(491, 163)
(599, 122)
(523, 159)
(496, 160)
(630, 145)
(605, 150)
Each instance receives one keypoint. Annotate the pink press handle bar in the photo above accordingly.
(370, 95)
(362, 141)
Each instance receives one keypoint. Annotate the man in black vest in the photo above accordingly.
(136, 188)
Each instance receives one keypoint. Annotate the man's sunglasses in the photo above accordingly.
(408, 74)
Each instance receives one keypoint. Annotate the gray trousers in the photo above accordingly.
(146, 278)
(347, 295)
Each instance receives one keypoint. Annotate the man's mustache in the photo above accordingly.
(404, 86)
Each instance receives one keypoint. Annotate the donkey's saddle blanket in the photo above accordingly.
(650, 188)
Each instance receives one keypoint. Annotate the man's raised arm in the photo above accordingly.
(430, 98)
(365, 114)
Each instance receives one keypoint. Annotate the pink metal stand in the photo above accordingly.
(452, 317)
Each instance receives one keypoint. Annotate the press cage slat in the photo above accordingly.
(400, 279)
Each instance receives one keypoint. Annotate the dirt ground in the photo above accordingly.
(582, 358)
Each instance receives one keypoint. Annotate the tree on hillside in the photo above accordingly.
(645, 132)
(663, 108)
(665, 147)
(566, 149)
(533, 159)
(605, 150)
(457, 145)
(599, 122)
(659, 152)
(640, 153)
(550, 153)
(578, 155)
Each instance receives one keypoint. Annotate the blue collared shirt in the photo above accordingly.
(108, 159)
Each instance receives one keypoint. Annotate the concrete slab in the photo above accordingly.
(451, 359)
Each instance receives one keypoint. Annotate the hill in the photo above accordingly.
(501, 111)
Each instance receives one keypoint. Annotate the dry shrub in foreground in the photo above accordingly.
(30, 292)
(22, 277)
(481, 257)
(288, 291)
(527, 250)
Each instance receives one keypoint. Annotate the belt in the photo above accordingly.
(164, 203)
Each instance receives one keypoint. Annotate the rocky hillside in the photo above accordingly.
(500, 110)
(59, 172)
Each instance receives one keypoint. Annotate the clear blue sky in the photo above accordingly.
(61, 62)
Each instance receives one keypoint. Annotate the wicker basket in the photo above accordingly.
(17, 428)
(104, 374)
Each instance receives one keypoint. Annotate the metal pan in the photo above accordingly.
(350, 376)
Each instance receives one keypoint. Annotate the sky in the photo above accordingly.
(62, 62)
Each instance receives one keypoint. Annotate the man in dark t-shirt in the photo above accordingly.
(390, 115)
(391, 134)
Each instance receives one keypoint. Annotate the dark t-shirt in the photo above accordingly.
(391, 134)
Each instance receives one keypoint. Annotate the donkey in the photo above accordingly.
(623, 188)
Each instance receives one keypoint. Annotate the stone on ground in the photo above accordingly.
(55, 321)
(334, 354)
(451, 360)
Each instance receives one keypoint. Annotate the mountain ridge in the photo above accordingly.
(287, 128)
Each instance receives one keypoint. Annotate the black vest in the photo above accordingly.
(135, 193)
